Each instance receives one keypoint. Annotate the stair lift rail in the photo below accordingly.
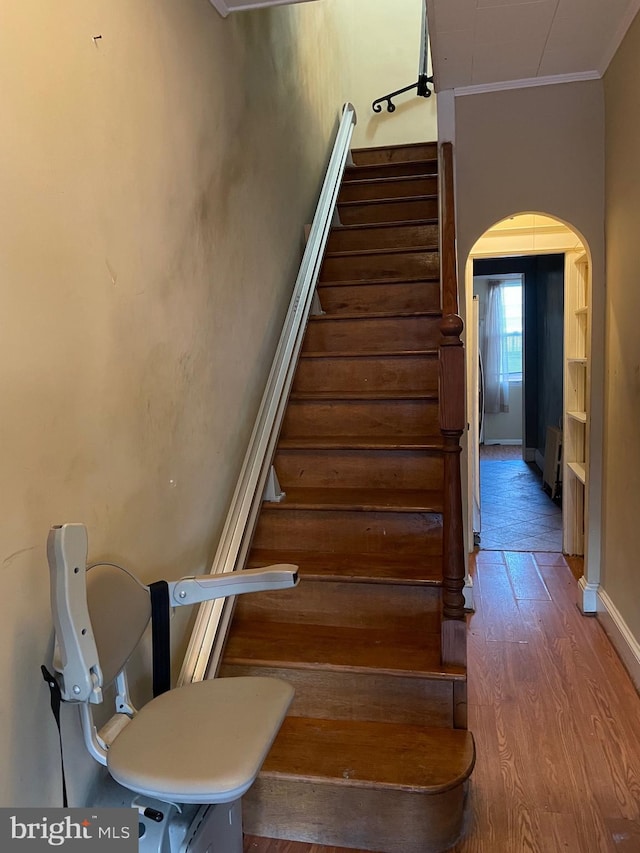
(207, 639)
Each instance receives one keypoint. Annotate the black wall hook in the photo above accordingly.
(423, 91)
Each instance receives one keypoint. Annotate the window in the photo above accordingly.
(511, 295)
(500, 335)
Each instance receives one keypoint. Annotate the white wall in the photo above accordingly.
(506, 427)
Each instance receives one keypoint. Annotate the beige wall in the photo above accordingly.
(155, 184)
(538, 150)
(383, 54)
(622, 415)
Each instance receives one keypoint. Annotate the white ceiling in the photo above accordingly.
(489, 42)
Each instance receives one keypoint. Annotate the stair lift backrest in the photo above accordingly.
(120, 610)
(99, 616)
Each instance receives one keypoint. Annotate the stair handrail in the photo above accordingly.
(451, 380)
(424, 78)
(213, 618)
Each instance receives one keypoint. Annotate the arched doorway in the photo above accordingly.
(506, 249)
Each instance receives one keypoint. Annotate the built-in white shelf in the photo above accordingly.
(579, 470)
(577, 332)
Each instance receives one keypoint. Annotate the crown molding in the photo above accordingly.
(527, 82)
(519, 230)
(627, 19)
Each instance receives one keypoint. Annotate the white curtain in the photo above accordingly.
(494, 353)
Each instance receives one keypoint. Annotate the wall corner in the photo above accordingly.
(446, 116)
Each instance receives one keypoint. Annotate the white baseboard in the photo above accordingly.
(509, 441)
(618, 632)
(468, 594)
(539, 460)
(589, 603)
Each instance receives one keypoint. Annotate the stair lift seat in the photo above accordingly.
(201, 743)
(212, 758)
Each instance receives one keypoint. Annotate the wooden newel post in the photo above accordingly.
(452, 424)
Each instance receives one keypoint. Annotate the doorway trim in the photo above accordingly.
(539, 234)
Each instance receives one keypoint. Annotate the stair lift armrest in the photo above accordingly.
(194, 590)
(96, 746)
(76, 656)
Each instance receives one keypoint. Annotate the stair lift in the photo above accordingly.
(185, 759)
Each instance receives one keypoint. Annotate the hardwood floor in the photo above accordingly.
(555, 717)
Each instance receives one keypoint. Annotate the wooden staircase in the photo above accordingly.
(374, 753)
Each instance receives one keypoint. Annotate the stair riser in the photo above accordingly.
(360, 469)
(380, 298)
(410, 534)
(343, 815)
(360, 696)
(347, 605)
(379, 334)
(359, 213)
(392, 265)
(355, 568)
(361, 418)
(388, 188)
(391, 170)
(367, 373)
(395, 154)
(383, 237)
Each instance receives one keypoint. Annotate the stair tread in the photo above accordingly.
(390, 179)
(384, 649)
(380, 500)
(398, 200)
(371, 315)
(356, 442)
(394, 250)
(361, 226)
(324, 396)
(371, 568)
(367, 754)
(429, 353)
(428, 162)
(430, 145)
(355, 282)
(394, 146)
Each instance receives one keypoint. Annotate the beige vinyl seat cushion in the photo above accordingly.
(202, 743)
